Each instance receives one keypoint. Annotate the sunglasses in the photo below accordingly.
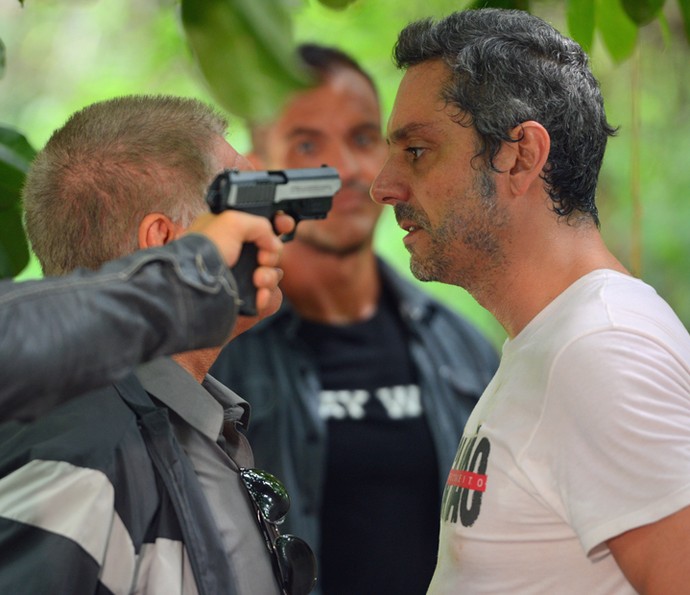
(293, 561)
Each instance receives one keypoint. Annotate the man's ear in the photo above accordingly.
(157, 229)
(525, 158)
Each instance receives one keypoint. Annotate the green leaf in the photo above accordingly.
(17, 146)
(16, 155)
(580, 19)
(509, 4)
(617, 30)
(245, 51)
(336, 4)
(642, 12)
(14, 250)
(685, 11)
(665, 29)
(2, 59)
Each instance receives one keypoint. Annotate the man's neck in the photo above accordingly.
(331, 288)
(539, 271)
(198, 362)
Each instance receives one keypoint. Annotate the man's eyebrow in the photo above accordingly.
(401, 134)
(301, 131)
(373, 126)
(306, 131)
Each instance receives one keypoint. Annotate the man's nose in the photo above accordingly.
(346, 162)
(388, 187)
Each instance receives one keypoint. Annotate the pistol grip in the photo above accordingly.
(243, 272)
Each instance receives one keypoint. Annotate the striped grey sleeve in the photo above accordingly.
(60, 534)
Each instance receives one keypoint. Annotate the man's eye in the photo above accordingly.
(416, 152)
(306, 147)
(366, 140)
(362, 140)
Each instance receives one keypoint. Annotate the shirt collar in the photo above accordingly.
(203, 406)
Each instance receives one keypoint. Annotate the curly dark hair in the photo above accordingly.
(509, 67)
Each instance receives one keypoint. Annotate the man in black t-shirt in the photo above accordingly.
(361, 384)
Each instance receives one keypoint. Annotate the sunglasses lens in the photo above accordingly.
(269, 495)
(297, 564)
(293, 561)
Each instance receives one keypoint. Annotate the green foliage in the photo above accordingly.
(580, 16)
(2, 58)
(643, 12)
(508, 4)
(685, 11)
(244, 50)
(617, 23)
(618, 31)
(337, 4)
(15, 156)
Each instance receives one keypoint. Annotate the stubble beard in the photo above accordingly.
(465, 248)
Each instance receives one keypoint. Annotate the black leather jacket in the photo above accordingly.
(61, 337)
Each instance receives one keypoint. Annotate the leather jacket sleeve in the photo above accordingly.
(61, 337)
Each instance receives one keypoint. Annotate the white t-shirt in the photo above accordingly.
(583, 434)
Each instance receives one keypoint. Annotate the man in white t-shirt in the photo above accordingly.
(573, 473)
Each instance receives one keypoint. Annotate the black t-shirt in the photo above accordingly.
(380, 509)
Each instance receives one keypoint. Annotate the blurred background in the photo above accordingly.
(62, 55)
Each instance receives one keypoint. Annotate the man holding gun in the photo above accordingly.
(146, 484)
(151, 303)
(301, 193)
